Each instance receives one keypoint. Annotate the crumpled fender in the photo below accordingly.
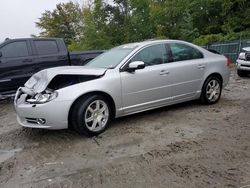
(39, 81)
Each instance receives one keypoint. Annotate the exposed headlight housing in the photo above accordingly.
(45, 97)
(242, 56)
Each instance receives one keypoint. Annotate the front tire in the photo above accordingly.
(211, 90)
(91, 115)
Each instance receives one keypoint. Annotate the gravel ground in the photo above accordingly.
(186, 145)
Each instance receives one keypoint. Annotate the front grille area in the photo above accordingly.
(245, 65)
(36, 121)
(32, 120)
(248, 56)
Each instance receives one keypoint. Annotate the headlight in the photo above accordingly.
(41, 98)
(242, 56)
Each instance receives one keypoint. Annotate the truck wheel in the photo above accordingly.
(242, 73)
(91, 115)
(211, 90)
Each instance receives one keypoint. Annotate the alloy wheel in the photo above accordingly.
(213, 90)
(96, 115)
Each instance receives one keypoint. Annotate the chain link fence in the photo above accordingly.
(230, 49)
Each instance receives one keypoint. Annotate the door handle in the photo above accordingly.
(27, 60)
(164, 72)
(201, 66)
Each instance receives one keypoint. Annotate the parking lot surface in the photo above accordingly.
(185, 145)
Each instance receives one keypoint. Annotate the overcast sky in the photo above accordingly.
(18, 17)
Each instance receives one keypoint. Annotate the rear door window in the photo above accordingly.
(46, 47)
(182, 52)
(15, 49)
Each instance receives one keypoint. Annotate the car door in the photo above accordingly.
(49, 53)
(187, 70)
(16, 64)
(149, 87)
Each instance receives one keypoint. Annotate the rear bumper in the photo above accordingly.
(243, 65)
(51, 115)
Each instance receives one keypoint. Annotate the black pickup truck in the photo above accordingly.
(21, 58)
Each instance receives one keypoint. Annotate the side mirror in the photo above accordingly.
(136, 65)
(1, 54)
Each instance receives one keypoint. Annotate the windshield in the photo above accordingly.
(111, 58)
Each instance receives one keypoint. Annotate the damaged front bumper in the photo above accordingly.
(50, 115)
(39, 103)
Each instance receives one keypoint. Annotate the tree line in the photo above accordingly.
(100, 24)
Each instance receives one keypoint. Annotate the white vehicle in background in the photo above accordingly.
(243, 62)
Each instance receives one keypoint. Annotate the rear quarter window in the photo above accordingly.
(46, 47)
(181, 52)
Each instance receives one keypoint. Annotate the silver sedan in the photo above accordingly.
(125, 80)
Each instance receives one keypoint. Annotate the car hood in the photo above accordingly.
(39, 81)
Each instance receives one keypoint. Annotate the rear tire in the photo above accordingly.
(211, 90)
(91, 115)
(242, 73)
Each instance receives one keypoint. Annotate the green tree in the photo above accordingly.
(66, 21)
(118, 24)
(94, 35)
(140, 23)
(103, 24)
(206, 16)
(236, 14)
(168, 18)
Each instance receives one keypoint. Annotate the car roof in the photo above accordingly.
(26, 39)
(148, 42)
(35, 38)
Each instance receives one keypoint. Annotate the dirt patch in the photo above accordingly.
(185, 145)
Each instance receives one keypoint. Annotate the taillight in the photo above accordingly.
(228, 62)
